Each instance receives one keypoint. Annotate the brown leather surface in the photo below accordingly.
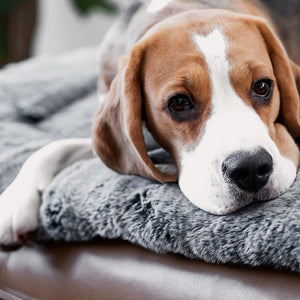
(117, 270)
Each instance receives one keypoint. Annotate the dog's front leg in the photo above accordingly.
(20, 202)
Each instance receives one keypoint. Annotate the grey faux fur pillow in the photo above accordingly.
(89, 200)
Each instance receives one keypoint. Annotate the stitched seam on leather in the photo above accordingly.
(13, 295)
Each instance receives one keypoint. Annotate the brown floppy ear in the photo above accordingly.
(117, 132)
(296, 72)
(287, 76)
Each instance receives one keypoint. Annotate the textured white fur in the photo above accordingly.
(232, 126)
(156, 5)
(20, 202)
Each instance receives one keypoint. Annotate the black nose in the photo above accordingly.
(249, 171)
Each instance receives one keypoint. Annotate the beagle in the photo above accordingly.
(215, 87)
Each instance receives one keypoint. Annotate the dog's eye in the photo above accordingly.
(180, 103)
(262, 88)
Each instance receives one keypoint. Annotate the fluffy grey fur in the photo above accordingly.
(88, 200)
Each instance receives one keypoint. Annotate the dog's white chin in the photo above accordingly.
(216, 196)
(218, 201)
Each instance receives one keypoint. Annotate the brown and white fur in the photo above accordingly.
(194, 73)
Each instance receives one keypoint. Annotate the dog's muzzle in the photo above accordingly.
(249, 171)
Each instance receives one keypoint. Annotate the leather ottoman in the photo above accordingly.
(118, 270)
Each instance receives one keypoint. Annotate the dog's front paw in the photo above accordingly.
(19, 206)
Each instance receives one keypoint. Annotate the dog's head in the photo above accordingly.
(219, 92)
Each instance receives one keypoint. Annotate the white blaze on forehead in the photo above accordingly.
(214, 46)
(231, 127)
(156, 5)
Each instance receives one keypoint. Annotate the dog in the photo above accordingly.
(213, 84)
